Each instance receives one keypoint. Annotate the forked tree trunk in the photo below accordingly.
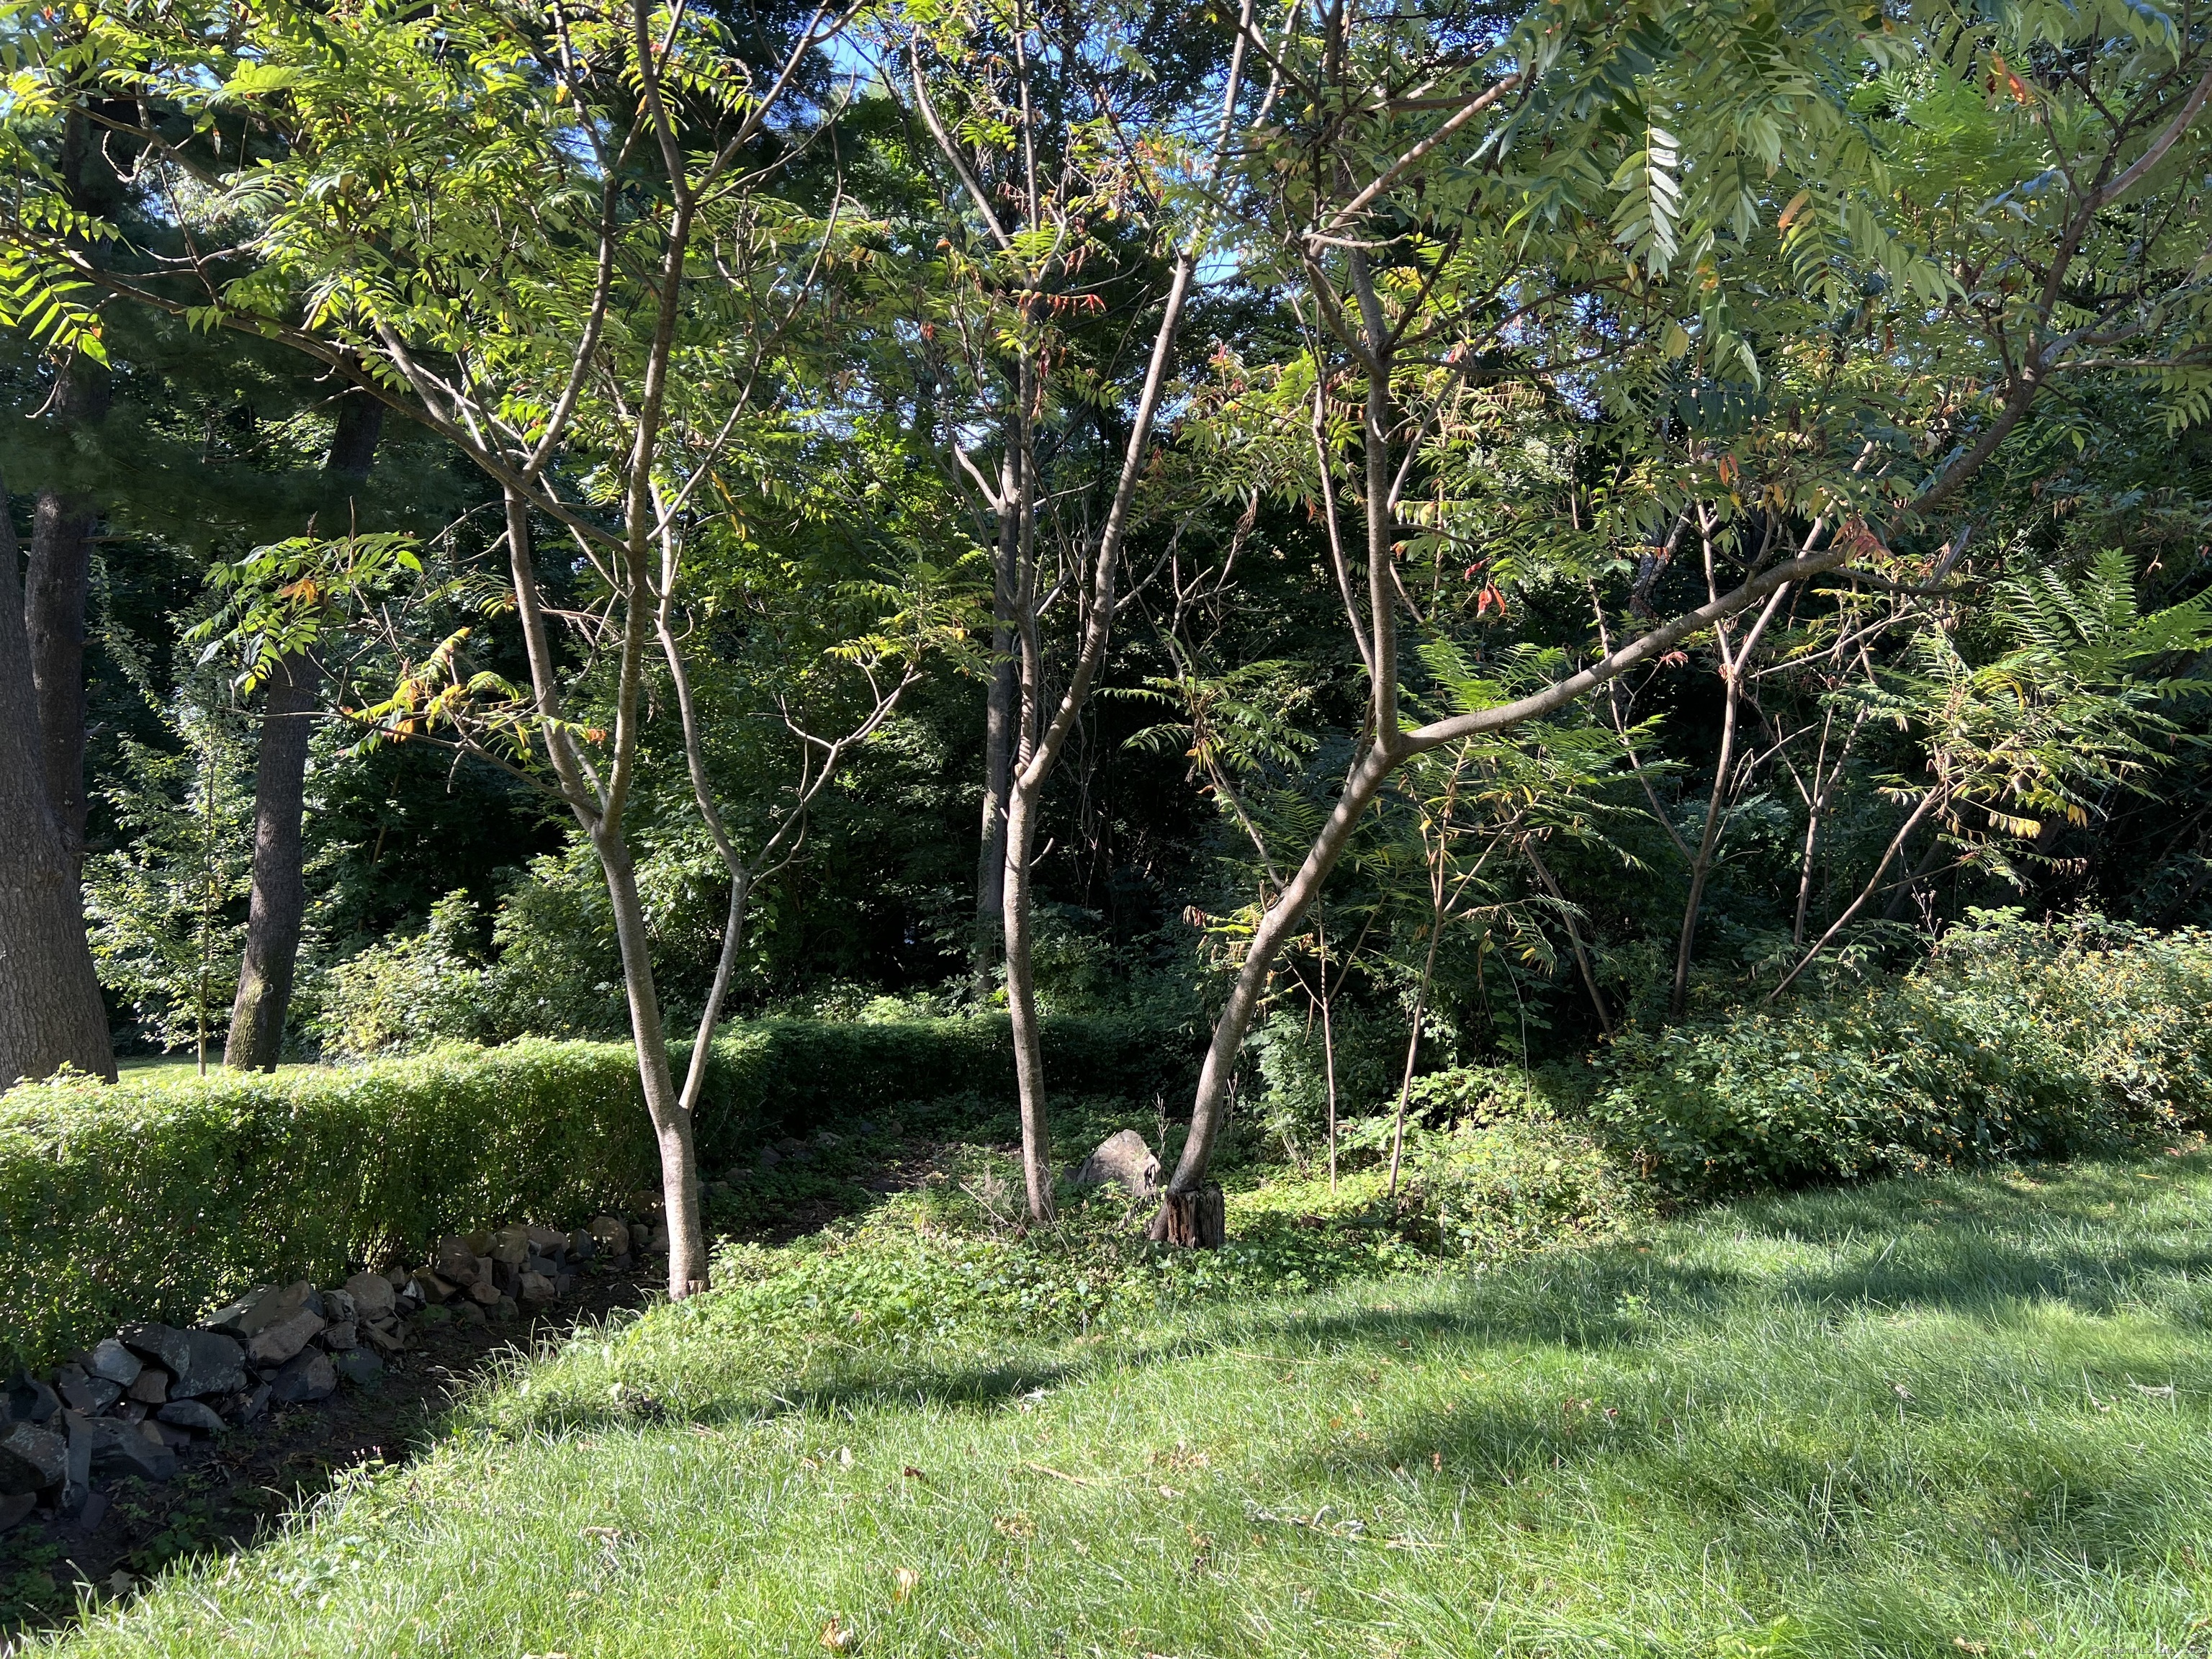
(278, 906)
(51, 1013)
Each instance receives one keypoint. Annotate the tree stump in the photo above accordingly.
(1196, 1221)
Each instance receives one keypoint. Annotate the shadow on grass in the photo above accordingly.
(1991, 1247)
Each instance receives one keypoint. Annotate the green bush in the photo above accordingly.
(161, 1196)
(2014, 1040)
(157, 1198)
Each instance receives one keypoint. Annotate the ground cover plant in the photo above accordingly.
(1962, 1414)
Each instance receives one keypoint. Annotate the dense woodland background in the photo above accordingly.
(1022, 405)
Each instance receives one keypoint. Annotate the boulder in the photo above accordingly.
(1125, 1159)
(387, 1335)
(582, 1246)
(31, 1458)
(537, 1287)
(456, 1262)
(167, 1435)
(510, 1245)
(339, 1308)
(358, 1366)
(152, 1387)
(431, 1287)
(198, 1362)
(337, 1339)
(15, 1508)
(395, 1276)
(28, 1400)
(82, 1393)
(257, 1311)
(658, 1244)
(124, 1448)
(479, 1244)
(190, 1414)
(372, 1295)
(307, 1377)
(485, 1290)
(547, 1241)
(280, 1341)
(245, 1406)
(114, 1361)
(610, 1234)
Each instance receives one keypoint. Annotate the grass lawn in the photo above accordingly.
(1967, 1415)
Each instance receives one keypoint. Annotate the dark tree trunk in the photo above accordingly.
(280, 887)
(55, 587)
(279, 903)
(51, 1013)
(1196, 1220)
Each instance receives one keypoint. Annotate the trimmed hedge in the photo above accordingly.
(161, 1197)
(2015, 1040)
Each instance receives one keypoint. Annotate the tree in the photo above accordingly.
(1496, 250)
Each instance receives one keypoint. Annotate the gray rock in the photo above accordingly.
(1125, 1159)
(548, 1242)
(81, 1393)
(28, 1400)
(359, 1367)
(485, 1290)
(339, 1338)
(456, 1262)
(128, 1411)
(581, 1246)
(432, 1287)
(372, 1295)
(152, 1387)
(114, 1361)
(339, 1308)
(612, 1234)
(658, 1244)
(257, 1310)
(307, 1377)
(198, 1362)
(168, 1434)
(280, 1341)
(471, 1313)
(31, 1458)
(245, 1406)
(190, 1414)
(125, 1449)
(15, 1508)
(510, 1245)
(537, 1287)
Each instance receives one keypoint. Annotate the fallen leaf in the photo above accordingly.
(908, 1580)
(838, 1637)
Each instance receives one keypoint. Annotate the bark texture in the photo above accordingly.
(56, 587)
(51, 1013)
(280, 889)
(279, 903)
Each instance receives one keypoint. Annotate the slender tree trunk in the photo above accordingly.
(672, 1121)
(1574, 937)
(1327, 1042)
(998, 724)
(279, 902)
(51, 1013)
(1021, 1006)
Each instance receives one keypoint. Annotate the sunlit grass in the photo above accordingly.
(1964, 1415)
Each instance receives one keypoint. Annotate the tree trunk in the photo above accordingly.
(1196, 1220)
(279, 902)
(280, 889)
(672, 1122)
(999, 729)
(1021, 1005)
(51, 1013)
(55, 587)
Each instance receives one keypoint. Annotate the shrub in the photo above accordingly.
(157, 1198)
(2014, 1040)
(161, 1196)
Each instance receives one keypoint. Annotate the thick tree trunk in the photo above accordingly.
(1196, 1220)
(280, 889)
(279, 902)
(55, 591)
(51, 1013)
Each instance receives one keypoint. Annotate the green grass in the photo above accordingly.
(1958, 1415)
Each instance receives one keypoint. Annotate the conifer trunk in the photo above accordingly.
(55, 587)
(50, 1012)
(279, 903)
